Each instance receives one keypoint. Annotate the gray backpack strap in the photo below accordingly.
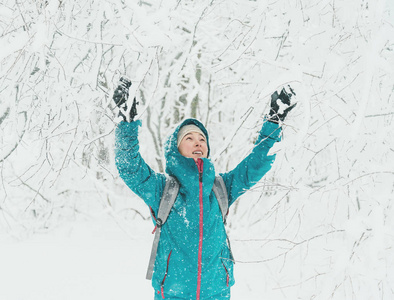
(167, 201)
(219, 188)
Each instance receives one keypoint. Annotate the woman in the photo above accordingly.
(193, 259)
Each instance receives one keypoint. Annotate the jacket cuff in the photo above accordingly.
(272, 130)
(128, 129)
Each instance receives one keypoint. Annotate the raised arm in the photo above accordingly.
(134, 171)
(258, 162)
(247, 173)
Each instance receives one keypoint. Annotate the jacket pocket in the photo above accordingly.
(227, 263)
(165, 276)
(227, 274)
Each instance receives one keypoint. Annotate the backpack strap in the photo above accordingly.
(219, 188)
(170, 193)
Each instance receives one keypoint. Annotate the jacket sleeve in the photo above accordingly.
(134, 171)
(255, 165)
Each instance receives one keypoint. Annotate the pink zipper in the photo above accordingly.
(200, 164)
(165, 276)
(227, 275)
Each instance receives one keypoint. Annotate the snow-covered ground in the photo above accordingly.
(107, 259)
(92, 260)
(82, 260)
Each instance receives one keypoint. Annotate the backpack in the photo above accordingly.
(170, 193)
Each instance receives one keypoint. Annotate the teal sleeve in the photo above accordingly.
(255, 165)
(132, 168)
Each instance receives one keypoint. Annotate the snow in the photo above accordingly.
(83, 260)
(318, 226)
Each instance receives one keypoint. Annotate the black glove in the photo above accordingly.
(121, 94)
(284, 97)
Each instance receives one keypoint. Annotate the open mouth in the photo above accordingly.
(197, 152)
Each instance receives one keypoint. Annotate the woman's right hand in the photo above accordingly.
(120, 97)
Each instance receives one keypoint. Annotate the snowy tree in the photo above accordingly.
(317, 226)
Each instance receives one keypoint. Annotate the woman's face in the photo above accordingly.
(193, 145)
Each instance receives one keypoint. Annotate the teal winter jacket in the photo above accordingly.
(193, 259)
